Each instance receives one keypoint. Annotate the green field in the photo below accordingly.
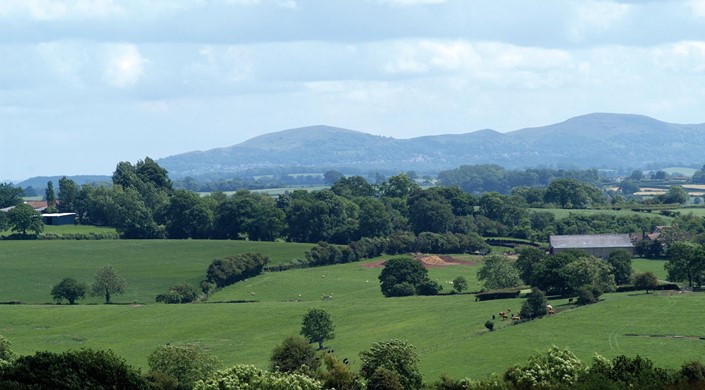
(447, 330)
(80, 229)
(29, 269)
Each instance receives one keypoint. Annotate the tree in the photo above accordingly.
(181, 293)
(395, 355)
(351, 187)
(686, 263)
(317, 326)
(572, 194)
(676, 194)
(429, 213)
(131, 216)
(645, 281)
(535, 305)
(553, 369)
(23, 218)
(68, 192)
(186, 215)
(621, 262)
(69, 289)
(82, 369)
(399, 186)
(294, 354)
(50, 195)
(637, 175)
(187, 363)
(399, 274)
(107, 283)
(330, 177)
(529, 259)
(7, 355)
(244, 376)
(590, 271)
(460, 284)
(9, 195)
(498, 272)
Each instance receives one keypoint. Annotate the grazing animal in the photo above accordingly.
(515, 318)
(509, 310)
(551, 311)
(327, 297)
(493, 317)
(346, 361)
(570, 300)
(503, 315)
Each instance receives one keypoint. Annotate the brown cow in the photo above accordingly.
(503, 315)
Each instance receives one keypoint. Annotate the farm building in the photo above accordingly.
(59, 219)
(598, 245)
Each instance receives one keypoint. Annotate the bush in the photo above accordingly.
(535, 305)
(429, 287)
(398, 271)
(182, 293)
(506, 293)
(404, 289)
(384, 379)
(588, 295)
(489, 325)
(250, 377)
(236, 268)
(553, 369)
(460, 284)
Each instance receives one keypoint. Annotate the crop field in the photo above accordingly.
(447, 330)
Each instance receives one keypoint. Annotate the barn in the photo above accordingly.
(598, 245)
(59, 219)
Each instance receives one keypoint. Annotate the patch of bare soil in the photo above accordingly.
(429, 261)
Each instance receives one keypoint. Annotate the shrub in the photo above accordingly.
(69, 289)
(429, 287)
(235, 268)
(250, 377)
(182, 293)
(588, 295)
(460, 284)
(489, 325)
(384, 379)
(555, 368)
(535, 305)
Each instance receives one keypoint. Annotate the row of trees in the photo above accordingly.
(107, 282)
(390, 365)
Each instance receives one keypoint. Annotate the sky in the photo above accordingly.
(85, 84)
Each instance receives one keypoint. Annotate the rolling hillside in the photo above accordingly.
(589, 141)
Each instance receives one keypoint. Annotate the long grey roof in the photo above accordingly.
(591, 241)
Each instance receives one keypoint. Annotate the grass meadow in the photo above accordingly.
(447, 330)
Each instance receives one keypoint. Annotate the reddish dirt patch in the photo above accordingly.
(429, 261)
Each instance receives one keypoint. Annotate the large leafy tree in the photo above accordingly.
(536, 305)
(497, 272)
(686, 263)
(187, 215)
(430, 212)
(69, 289)
(9, 195)
(590, 271)
(401, 276)
(108, 283)
(23, 218)
(76, 369)
(68, 193)
(621, 262)
(249, 215)
(317, 326)
(572, 194)
(645, 281)
(395, 355)
(293, 354)
(527, 262)
(354, 186)
(375, 220)
(187, 363)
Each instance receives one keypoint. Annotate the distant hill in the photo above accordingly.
(40, 182)
(590, 141)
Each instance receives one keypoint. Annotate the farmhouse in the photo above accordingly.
(59, 219)
(598, 245)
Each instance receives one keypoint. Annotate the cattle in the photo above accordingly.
(515, 318)
(503, 315)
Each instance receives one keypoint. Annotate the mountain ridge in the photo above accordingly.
(597, 140)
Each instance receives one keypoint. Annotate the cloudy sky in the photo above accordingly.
(85, 84)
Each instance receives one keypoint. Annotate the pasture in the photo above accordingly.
(448, 330)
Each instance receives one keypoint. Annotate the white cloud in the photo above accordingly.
(60, 9)
(124, 65)
(681, 56)
(595, 16)
(698, 8)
